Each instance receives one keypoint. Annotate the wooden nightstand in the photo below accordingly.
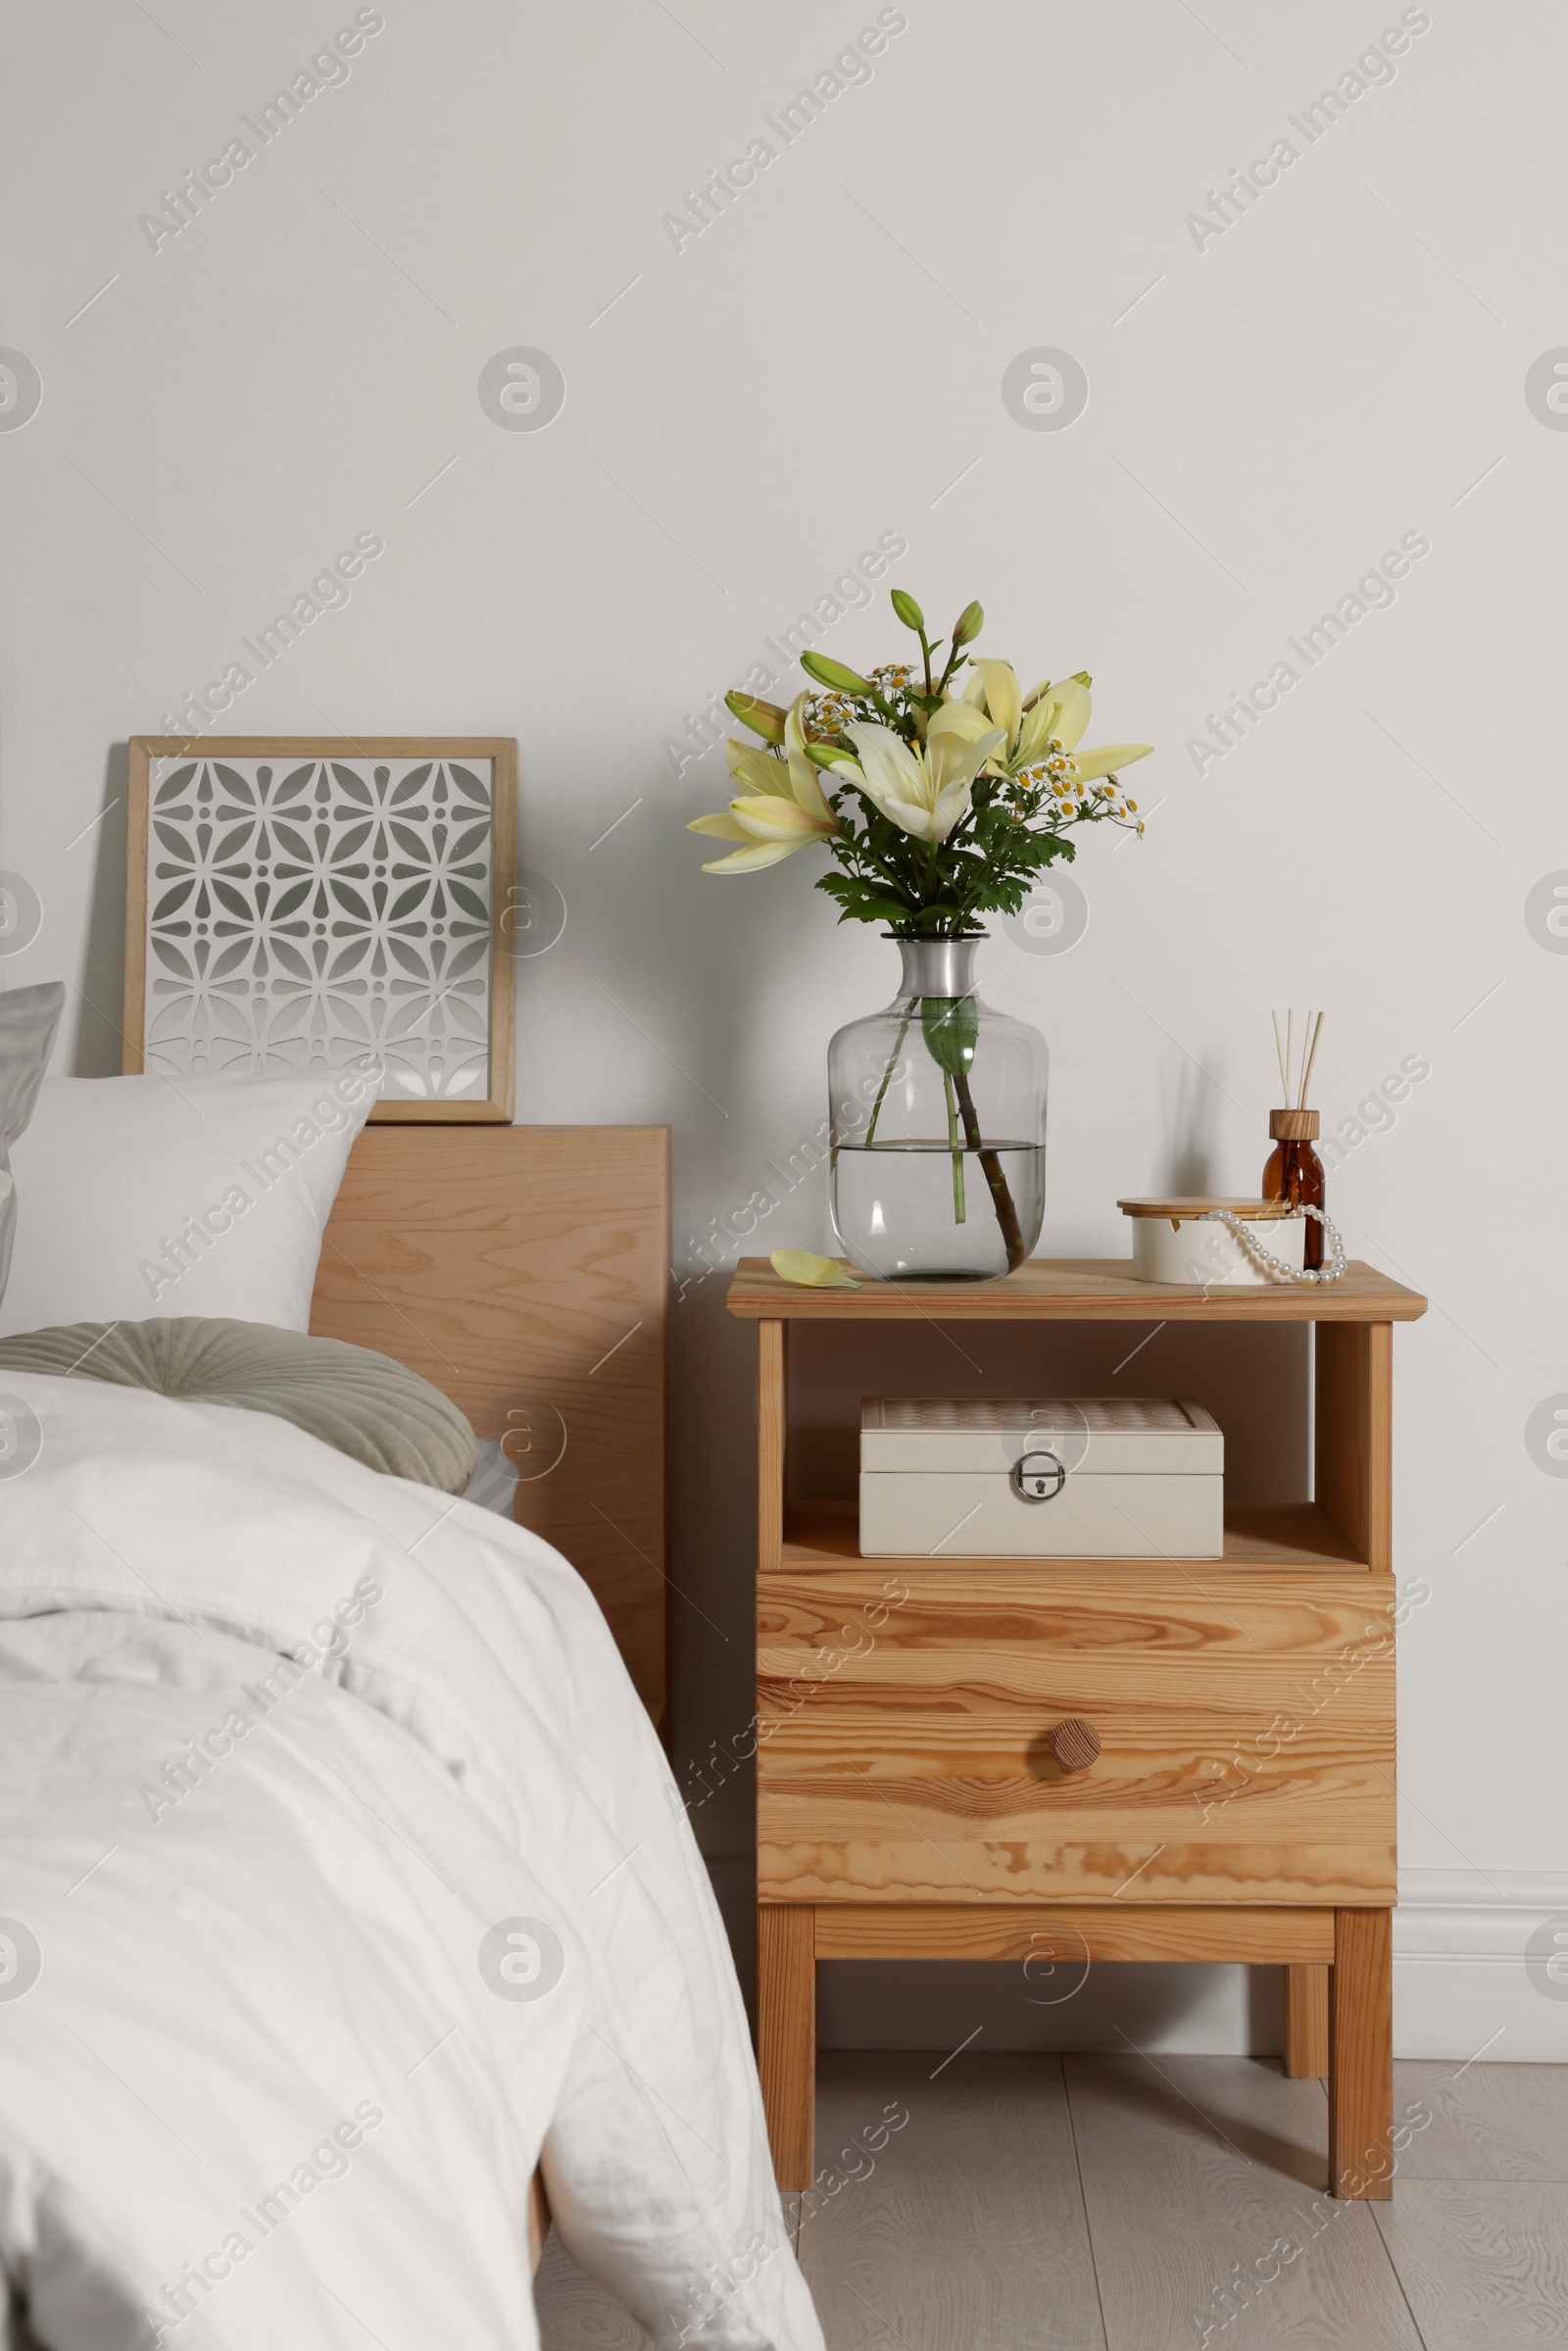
(1241, 1802)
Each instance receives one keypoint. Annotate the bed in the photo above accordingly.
(525, 1272)
(550, 1276)
(300, 2021)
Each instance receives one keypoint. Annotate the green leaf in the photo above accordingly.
(950, 1025)
(863, 902)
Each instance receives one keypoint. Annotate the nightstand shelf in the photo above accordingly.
(1071, 1290)
(911, 1797)
(1269, 1534)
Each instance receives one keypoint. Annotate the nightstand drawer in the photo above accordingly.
(1244, 1727)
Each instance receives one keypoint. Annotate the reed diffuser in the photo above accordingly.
(1295, 1173)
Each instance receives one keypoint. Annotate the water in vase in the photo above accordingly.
(920, 1211)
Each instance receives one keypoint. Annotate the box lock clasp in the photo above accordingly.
(1038, 1476)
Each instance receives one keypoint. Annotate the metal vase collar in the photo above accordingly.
(938, 966)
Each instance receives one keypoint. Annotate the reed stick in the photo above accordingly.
(1306, 1038)
(1306, 1074)
(1290, 1054)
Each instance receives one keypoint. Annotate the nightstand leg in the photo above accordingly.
(1361, 2056)
(1306, 2023)
(786, 2036)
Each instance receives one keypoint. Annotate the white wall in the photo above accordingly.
(1268, 413)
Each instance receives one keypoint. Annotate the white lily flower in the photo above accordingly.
(918, 771)
(784, 810)
(926, 789)
(1050, 715)
(995, 688)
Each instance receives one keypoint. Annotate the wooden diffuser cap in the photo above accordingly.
(1293, 1126)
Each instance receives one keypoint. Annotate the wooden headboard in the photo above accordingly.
(525, 1272)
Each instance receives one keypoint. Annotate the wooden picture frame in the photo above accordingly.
(285, 995)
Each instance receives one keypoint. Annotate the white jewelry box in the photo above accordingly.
(1174, 1241)
(1050, 1478)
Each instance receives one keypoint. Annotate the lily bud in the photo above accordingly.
(970, 621)
(835, 674)
(829, 754)
(764, 718)
(1082, 678)
(908, 611)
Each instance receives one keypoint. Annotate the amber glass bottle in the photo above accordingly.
(1295, 1173)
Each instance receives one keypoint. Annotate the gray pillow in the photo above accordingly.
(29, 1018)
(365, 1405)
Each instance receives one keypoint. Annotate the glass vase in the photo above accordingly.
(937, 1108)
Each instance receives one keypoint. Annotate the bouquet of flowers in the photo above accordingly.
(936, 806)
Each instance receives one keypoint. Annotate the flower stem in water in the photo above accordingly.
(992, 1169)
(957, 1148)
(892, 1062)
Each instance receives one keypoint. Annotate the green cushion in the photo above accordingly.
(363, 1403)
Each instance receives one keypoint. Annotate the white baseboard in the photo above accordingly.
(1461, 1989)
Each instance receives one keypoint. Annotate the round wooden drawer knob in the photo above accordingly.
(1075, 1744)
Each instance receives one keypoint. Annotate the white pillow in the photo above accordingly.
(140, 1197)
(28, 1019)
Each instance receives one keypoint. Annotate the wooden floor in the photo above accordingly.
(1133, 2204)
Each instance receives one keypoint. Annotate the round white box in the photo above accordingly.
(1173, 1242)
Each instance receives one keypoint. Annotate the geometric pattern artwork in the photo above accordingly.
(300, 909)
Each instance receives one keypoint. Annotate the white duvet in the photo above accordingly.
(301, 1970)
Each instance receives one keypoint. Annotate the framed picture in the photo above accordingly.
(291, 901)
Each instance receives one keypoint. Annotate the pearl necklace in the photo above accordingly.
(1276, 1267)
